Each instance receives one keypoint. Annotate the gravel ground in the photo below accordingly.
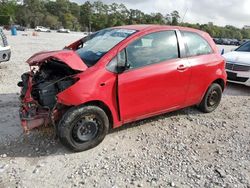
(179, 149)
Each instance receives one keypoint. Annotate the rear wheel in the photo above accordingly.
(83, 128)
(211, 99)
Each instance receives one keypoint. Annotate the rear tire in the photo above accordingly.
(212, 99)
(83, 128)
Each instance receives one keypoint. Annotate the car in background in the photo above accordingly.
(42, 29)
(62, 30)
(87, 33)
(238, 65)
(222, 41)
(20, 28)
(217, 40)
(226, 41)
(120, 75)
(5, 51)
(234, 42)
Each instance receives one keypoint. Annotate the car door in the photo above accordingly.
(203, 65)
(157, 78)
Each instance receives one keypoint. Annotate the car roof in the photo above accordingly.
(155, 28)
(142, 27)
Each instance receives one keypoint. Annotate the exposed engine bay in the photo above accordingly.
(47, 82)
(39, 89)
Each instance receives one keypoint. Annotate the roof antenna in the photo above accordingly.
(184, 15)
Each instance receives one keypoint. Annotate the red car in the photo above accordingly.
(120, 75)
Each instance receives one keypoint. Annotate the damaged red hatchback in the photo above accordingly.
(119, 75)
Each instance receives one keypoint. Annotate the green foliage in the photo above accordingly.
(7, 11)
(175, 17)
(95, 16)
(221, 32)
(4, 20)
(51, 21)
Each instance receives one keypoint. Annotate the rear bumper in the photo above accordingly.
(5, 54)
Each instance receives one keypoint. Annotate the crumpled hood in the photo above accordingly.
(238, 57)
(69, 57)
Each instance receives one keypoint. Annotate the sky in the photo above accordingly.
(220, 12)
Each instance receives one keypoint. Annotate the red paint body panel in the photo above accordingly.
(205, 70)
(152, 89)
(69, 57)
(94, 85)
(143, 92)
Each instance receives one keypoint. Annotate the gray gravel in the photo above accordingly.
(179, 149)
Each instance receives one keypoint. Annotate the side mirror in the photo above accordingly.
(121, 64)
(222, 51)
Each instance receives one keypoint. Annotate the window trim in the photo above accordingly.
(187, 52)
(182, 47)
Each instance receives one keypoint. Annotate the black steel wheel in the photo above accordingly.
(83, 128)
(212, 98)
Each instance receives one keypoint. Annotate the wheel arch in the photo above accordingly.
(221, 82)
(104, 107)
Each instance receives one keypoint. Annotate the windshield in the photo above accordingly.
(244, 48)
(99, 43)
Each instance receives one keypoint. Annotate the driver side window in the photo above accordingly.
(153, 48)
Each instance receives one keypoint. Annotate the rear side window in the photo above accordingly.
(152, 48)
(196, 45)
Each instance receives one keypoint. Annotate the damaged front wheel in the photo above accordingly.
(83, 128)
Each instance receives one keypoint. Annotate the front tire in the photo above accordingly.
(212, 99)
(83, 128)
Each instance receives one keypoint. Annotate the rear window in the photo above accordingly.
(196, 45)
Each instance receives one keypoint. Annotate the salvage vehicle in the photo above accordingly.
(238, 65)
(119, 75)
(5, 51)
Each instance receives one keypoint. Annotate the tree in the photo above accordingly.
(70, 22)
(34, 12)
(52, 22)
(175, 17)
(7, 11)
(97, 15)
(86, 14)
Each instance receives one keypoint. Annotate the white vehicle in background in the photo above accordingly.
(42, 29)
(87, 33)
(243, 41)
(5, 51)
(238, 65)
(62, 30)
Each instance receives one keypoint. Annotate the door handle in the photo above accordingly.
(182, 67)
